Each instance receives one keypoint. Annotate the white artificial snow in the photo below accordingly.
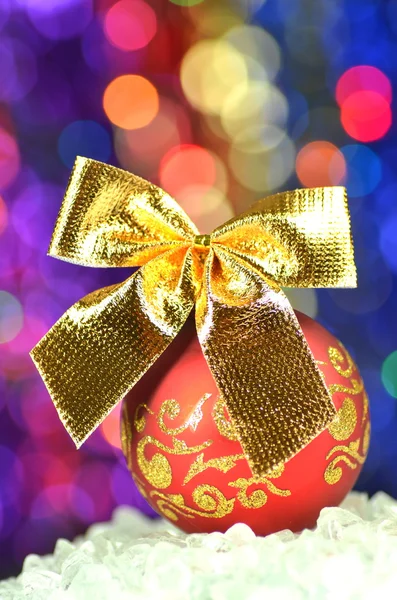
(352, 554)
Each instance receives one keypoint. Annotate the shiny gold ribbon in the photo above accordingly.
(251, 339)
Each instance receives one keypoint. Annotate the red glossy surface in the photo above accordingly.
(222, 491)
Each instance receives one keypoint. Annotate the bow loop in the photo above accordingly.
(298, 239)
(111, 218)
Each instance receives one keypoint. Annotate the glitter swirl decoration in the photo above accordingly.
(220, 103)
(183, 451)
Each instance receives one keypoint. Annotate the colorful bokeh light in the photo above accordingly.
(185, 167)
(320, 164)
(363, 78)
(364, 169)
(144, 148)
(364, 94)
(131, 101)
(186, 2)
(207, 208)
(3, 215)
(130, 24)
(18, 70)
(366, 116)
(11, 317)
(259, 48)
(110, 428)
(84, 138)
(9, 159)
(260, 166)
(388, 242)
(59, 20)
(210, 71)
(389, 374)
(211, 100)
(251, 103)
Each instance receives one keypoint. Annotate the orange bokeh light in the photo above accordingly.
(130, 24)
(145, 147)
(366, 116)
(3, 215)
(130, 101)
(110, 427)
(320, 164)
(187, 166)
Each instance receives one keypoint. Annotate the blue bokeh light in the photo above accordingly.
(364, 169)
(84, 138)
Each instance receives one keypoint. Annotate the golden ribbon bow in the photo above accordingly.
(249, 334)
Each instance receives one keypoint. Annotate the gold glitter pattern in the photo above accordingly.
(171, 408)
(139, 417)
(357, 387)
(366, 405)
(346, 419)
(337, 359)
(158, 470)
(223, 464)
(333, 472)
(248, 331)
(366, 439)
(211, 502)
(258, 498)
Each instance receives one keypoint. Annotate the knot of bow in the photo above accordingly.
(248, 331)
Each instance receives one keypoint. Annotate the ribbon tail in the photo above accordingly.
(262, 364)
(103, 345)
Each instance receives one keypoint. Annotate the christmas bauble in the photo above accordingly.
(185, 458)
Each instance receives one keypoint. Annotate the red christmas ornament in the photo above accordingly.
(185, 457)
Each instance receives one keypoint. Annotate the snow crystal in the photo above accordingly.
(351, 554)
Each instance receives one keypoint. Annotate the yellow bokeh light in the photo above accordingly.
(248, 7)
(130, 101)
(215, 20)
(210, 70)
(252, 105)
(261, 167)
(256, 43)
(257, 139)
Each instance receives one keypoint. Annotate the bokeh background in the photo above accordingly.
(220, 102)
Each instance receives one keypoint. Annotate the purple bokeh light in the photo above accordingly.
(125, 491)
(18, 70)
(60, 19)
(9, 159)
(34, 213)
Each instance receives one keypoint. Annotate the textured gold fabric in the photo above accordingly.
(248, 331)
